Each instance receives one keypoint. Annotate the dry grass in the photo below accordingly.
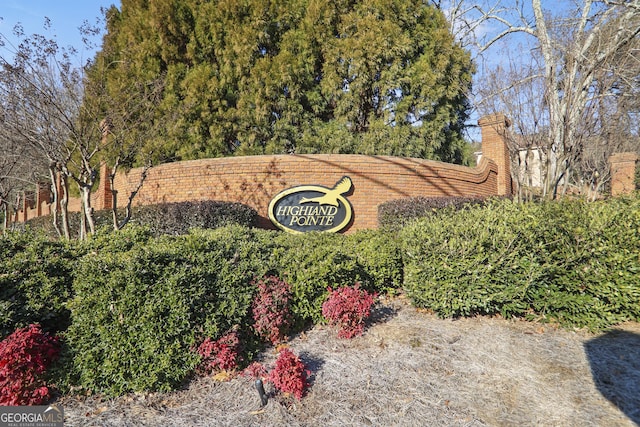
(413, 369)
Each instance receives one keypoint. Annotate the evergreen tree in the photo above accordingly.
(294, 76)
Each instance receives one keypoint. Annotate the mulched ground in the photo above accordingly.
(412, 369)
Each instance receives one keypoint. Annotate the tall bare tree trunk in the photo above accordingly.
(576, 69)
(87, 211)
(53, 174)
(4, 208)
(64, 204)
(118, 225)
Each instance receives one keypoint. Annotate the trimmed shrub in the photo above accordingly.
(164, 218)
(570, 262)
(310, 263)
(137, 313)
(348, 308)
(380, 255)
(394, 214)
(313, 261)
(179, 218)
(25, 356)
(36, 275)
(290, 374)
(220, 355)
(108, 240)
(270, 308)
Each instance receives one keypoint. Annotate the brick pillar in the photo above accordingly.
(25, 207)
(105, 197)
(623, 171)
(494, 147)
(43, 194)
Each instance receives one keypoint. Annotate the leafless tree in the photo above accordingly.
(572, 72)
(19, 171)
(51, 106)
(128, 125)
(126, 132)
(37, 109)
(524, 106)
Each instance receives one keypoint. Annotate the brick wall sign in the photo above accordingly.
(303, 192)
(306, 208)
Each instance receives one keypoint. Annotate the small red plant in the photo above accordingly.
(348, 307)
(271, 314)
(255, 370)
(25, 355)
(220, 355)
(289, 374)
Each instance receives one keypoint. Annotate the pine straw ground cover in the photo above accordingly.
(413, 369)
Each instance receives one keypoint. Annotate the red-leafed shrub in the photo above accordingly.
(348, 307)
(271, 309)
(220, 355)
(289, 374)
(255, 371)
(25, 355)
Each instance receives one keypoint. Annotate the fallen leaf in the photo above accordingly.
(280, 347)
(222, 376)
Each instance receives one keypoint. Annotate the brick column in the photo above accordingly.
(623, 171)
(105, 197)
(25, 207)
(43, 194)
(494, 147)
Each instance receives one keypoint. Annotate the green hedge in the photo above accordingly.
(571, 262)
(135, 303)
(394, 214)
(36, 276)
(163, 218)
(315, 261)
(179, 218)
(141, 303)
(137, 312)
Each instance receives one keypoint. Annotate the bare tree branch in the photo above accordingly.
(585, 69)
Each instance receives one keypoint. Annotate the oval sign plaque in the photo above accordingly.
(312, 208)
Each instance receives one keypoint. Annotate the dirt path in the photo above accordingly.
(413, 369)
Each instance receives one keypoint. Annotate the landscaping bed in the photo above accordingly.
(411, 368)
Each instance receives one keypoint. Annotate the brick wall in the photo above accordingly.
(623, 169)
(255, 180)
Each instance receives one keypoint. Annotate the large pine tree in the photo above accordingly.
(293, 76)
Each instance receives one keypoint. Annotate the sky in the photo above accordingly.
(66, 17)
